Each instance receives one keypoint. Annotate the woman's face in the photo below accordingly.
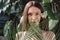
(34, 15)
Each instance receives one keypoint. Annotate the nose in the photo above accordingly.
(33, 18)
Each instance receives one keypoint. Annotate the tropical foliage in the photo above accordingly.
(52, 8)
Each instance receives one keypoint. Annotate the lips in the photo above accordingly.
(34, 22)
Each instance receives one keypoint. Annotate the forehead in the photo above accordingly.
(34, 9)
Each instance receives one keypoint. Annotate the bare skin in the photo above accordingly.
(34, 15)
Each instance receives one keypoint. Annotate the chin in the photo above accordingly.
(37, 23)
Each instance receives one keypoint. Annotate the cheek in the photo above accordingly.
(29, 18)
(38, 18)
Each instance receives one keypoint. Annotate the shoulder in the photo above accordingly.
(19, 35)
(49, 35)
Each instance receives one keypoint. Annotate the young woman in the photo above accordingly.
(34, 26)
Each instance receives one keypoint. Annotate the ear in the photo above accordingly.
(44, 14)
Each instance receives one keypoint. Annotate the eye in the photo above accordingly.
(37, 14)
(29, 14)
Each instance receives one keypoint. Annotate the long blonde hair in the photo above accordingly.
(28, 5)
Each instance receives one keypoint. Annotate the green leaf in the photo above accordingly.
(52, 23)
(46, 1)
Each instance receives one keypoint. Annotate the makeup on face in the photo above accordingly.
(34, 15)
